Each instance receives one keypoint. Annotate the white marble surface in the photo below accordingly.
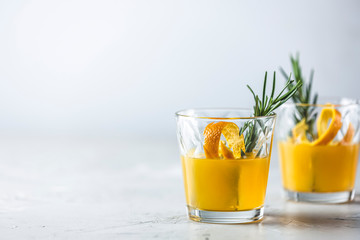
(108, 188)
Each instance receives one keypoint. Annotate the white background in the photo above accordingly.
(123, 68)
(88, 91)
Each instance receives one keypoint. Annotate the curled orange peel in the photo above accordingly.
(212, 142)
(327, 131)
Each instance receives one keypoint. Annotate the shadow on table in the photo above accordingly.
(316, 215)
(308, 220)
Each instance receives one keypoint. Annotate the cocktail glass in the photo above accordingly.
(319, 154)
(225, 183)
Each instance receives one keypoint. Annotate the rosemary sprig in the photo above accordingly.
(265, 107)
(303, 96)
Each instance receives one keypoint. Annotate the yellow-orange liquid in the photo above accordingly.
(225, 185)
(330, 168)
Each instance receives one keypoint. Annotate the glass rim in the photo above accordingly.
(326, 100)
(321, 105)
(181, 113)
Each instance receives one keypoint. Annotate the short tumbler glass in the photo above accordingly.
(318, 150)
(220, 189)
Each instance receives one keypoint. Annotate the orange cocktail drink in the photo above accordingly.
(225, 156)
(322, 167)
(225, 174)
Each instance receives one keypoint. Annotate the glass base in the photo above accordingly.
(246, 216)
(336, 197)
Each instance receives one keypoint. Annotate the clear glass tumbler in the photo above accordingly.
(318, 150)
(225, 158)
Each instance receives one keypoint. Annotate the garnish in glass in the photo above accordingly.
(248, 140)
(305, 116)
